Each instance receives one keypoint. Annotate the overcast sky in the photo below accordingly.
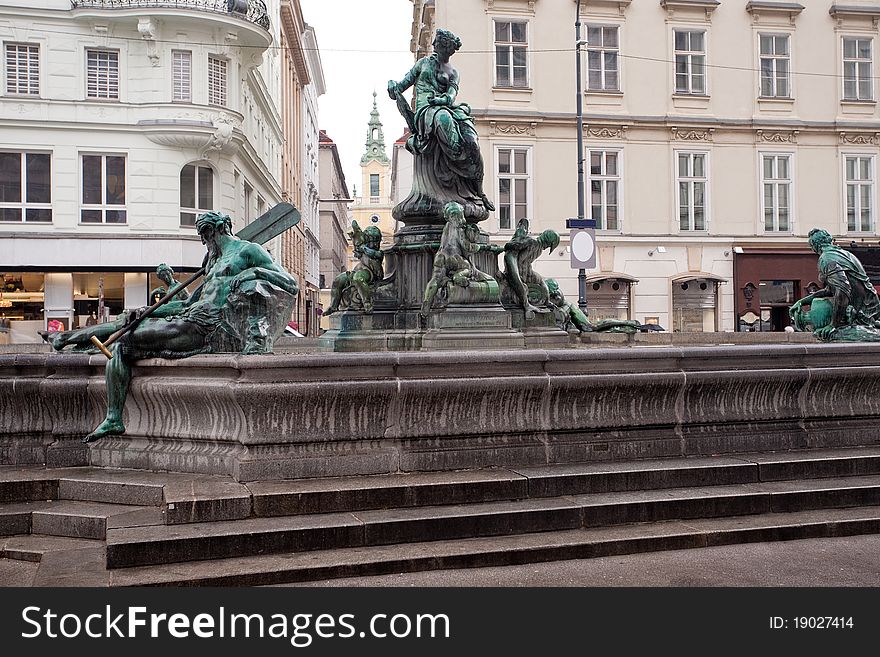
(363, 44)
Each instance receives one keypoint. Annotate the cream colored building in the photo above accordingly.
(717, 134)
(120, 122)
(372, 207)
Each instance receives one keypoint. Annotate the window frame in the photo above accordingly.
(510, 45)
(377, 178)
(24, 205)
(527, 176)
(691, 179)
(603, 50)
(6, 78)
(188, 76)
(774, 58)
(605, 178)
(872, 183)
(690, 54)
(856, 60)
(196, 210)
(103, 206)
(212, 80)
(776, 181)
(118, 89)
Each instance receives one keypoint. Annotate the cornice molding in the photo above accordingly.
(673, 7)
(761, 8)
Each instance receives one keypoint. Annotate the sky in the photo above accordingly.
(363, 44)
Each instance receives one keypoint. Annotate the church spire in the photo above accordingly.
(375, 146)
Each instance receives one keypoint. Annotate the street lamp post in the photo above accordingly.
(582, 273)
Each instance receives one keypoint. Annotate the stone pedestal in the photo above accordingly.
(471, 327)
(541, 331)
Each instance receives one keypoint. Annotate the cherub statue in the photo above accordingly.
(519, 254)
(452, 263)
(353, 290)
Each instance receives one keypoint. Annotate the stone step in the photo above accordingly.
(78, 519)
(282, 498)
(504, 550)
(170, 544)
(33, 547)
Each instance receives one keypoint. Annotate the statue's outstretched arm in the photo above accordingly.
(407, 81)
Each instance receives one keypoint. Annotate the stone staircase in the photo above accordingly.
(93, 526)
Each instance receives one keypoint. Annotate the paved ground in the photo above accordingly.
(850, 561)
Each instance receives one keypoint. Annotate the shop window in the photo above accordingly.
(103, 189)
(608, 299)
(694, 306)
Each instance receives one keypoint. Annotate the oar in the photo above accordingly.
(261, 230)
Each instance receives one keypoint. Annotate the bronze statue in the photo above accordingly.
(243, 304)
(852, 313)
(448, 165)
(353, 290)
(166, 275)
(570, 316)
(523, 282)
(452, 263)
(80, 339)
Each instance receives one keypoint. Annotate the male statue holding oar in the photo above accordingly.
(243, 303)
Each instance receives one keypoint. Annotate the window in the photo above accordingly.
(602, 47)
(857, 69)
(216, 81)
(22, 69)
(690, 62)
(776, 192)
(248, 203)
(261, 206)
(102, 74)
(181, 76)
(511, 52)
(609, 299)
(859, 193)
(513, 179)
(694, 304)
(103, 189)
(775, 66)
(374, 184)
(692, 180)
(196, 193)
(604, 187)
(25, 187)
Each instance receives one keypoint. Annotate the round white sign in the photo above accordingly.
(582, 245)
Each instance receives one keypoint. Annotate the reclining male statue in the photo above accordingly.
(244, 302)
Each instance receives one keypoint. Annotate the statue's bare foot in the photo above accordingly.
(107, 428)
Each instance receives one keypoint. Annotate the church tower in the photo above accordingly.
(373, 206)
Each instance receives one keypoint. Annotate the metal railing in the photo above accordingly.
(251, 10)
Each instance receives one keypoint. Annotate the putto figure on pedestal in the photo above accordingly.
(453, 265)
(243, 303)
(847, 308)
(353, 290)
(520, 283)
(447, 165)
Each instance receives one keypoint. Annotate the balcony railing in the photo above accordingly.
(250, 10)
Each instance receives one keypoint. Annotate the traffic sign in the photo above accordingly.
(583, 248)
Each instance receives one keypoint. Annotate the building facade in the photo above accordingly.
(335, 219)
(120, 122)
(372, 207)
(717, 134)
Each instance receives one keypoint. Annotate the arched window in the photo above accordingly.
(610, 297)
(196, 192)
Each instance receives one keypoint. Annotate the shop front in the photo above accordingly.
(767, 283)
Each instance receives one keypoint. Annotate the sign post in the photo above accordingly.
(582, 245)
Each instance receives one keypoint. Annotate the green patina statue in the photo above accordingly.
(80, 339)
(847, 308)
(243, 303)
(454, 272)
(353, 290)
(448, 165)
(166, 275)
(570, 316)
(520, 283)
